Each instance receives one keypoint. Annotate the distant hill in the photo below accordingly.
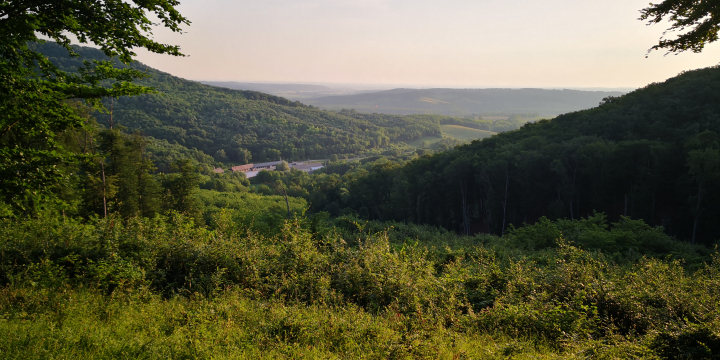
(652, 154)
(295, 92)
(242, 126)
(239, 126)
(462, 102)
(269, 88)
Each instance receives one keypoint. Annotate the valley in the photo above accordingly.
(148, 216)
(465, 133)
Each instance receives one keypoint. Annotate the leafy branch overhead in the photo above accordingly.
(34, 92)
(698, 22)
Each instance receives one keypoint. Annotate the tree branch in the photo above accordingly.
(8, 128)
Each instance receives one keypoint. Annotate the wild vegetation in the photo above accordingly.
(237, 126)
(651, 154)
(584, 236)
(162, 287)
(245, 126)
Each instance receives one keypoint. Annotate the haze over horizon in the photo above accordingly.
(424, 43)
(390, 86)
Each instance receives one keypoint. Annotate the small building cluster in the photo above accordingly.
(243, 168)
(251, 170)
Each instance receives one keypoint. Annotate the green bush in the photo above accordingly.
(625, 240)
(567, 298)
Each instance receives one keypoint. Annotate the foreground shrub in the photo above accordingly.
(563, 298)
(625, 241)
(88, 324)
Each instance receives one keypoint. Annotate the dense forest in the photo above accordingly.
(651, 154)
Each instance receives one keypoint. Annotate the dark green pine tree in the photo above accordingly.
(129, 187)
(180, 188)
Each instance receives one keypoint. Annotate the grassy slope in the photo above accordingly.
(427, 141)
(465, 133)
(458, 132)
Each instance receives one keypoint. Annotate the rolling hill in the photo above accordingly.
(294, 92)
(242, 126)
(239, 126)
(462, 102)
(653, 154)
(269, 88)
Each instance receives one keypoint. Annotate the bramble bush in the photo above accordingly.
(568, 297)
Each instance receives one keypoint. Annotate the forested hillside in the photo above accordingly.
(270, 88)
(120, 245)
(243, 126)
(295, 92)
(651, 154)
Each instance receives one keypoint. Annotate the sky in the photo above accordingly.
(423, 43)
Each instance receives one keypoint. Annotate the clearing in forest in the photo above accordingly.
(465, 133)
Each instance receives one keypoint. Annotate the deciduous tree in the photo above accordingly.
(282, 166)
(34, 92)
(698, 22)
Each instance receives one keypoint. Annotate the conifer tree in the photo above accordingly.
(180, 188)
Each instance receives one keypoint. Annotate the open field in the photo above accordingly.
(452, 131)
(428, 140)
(465, 133)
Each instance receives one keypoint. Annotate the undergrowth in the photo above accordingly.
(166, 288)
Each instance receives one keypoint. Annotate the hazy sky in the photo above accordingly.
(453, 43)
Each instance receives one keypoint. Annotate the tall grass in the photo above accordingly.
(166, 288)
(86, 324)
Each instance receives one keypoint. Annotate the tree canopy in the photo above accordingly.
(700, 17)
(651, 154)
(34, 92)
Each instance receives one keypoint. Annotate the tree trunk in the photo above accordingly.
(652, 210)
(572, 196)
(102, 166)
(507, 180)
(614, 208)
(626, 204)
(112, 105)
(466, 227)
(287, 203)
(697, 212)
(632, 201)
